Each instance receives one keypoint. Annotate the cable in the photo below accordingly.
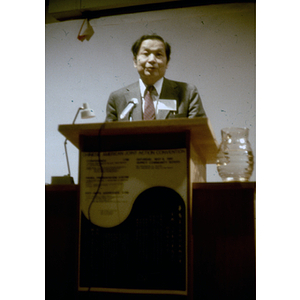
(101, 169)
(98, 188)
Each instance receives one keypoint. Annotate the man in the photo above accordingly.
(151, 56)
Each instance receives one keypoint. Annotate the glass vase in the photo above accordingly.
(235, 157)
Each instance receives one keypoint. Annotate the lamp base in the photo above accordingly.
(67, 179)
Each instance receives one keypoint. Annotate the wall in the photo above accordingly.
(213, 47)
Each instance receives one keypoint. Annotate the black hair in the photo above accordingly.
(136, 46)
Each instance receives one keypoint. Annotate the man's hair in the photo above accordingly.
(136, 46)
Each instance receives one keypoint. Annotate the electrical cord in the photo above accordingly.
(101, 169)
(98, 187)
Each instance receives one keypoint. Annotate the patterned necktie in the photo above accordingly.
(149, 111)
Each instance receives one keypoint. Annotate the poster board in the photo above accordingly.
(133, 221)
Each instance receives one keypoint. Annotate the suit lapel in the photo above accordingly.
(134, 92)
(168, 91)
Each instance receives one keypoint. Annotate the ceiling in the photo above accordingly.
(88, 14)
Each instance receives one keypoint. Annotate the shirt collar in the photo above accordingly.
(158, 86)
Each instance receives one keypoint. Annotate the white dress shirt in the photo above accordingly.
(154, 94)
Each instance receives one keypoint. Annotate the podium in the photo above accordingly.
(135, 218)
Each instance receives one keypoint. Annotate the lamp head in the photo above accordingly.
(87, 112)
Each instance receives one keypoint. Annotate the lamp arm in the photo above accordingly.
(65, 144)
(80, 108)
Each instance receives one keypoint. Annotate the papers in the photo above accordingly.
(167, 104)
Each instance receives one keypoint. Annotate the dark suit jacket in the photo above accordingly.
(188, 101)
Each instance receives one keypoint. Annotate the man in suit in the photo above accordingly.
(151, 55)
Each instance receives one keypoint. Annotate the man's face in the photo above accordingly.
(151, 61)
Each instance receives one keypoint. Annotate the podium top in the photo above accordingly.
(201, 134)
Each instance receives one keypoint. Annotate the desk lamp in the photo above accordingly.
(86, 113)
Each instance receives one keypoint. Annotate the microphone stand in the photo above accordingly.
(130, 116)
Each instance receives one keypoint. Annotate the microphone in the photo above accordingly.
(130, 106)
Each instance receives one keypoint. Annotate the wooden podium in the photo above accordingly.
(135, 214)
(200, 137)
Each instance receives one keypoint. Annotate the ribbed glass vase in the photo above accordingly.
(235, 158)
